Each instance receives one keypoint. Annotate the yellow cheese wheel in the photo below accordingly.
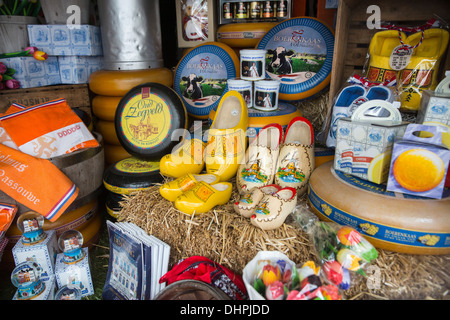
(391, 221)
(243, 35)
(104, 107)
(108, 131)
(92, 230)
(117, 83)
(114, 153)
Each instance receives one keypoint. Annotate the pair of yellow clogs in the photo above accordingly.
(420, 73)
(270, 158)
(225, 147)
(193, 194)
(267, 206)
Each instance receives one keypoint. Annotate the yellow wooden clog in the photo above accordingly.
(203, 197)
(175, 188)
(187, 157)
(226, 145)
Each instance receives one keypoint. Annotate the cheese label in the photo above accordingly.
(201, 78)
(299, 54)
(135, 165)
(146, 119)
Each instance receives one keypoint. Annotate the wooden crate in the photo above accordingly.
(77, 96)
(352, 36)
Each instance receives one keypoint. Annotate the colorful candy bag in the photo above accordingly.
(271, 275)
(47, 130)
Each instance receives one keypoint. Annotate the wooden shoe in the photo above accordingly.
(187, 157)
(422, 70)
(175, 188)
(261, 159)
(296, 158)
(272, 210)
(248, 202)
(203, 197)
(225, 148)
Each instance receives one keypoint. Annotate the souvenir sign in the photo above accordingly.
(201, 77)
(300, 55)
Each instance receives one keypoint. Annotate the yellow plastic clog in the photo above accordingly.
(422, 70)
(380, 49)
(175, 188)
(203, 197)
(226, 145)
(186, 157)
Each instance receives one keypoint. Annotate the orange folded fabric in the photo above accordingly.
(36, 183)
(48, 130)
(7, 214)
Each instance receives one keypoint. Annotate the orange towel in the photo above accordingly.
(4, 136)
(7, 214)
(36, 183)
(48, 130)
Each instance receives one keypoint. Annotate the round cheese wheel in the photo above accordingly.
(104, 107)
(117, 83)
(391, 221)
(299, 53)
(112, 203)
(130, 175)
(243, 35)
(108, 131)
(201, 76)
(114, 153)
(147, 118)
(92, 230)
(257, 119)
(323, 155)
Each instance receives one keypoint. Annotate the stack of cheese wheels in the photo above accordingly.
(110, 86)
(391, 221)
(86, 219)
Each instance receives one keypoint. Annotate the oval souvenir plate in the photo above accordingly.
(300, 55)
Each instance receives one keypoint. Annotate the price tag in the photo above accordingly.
(400, 57)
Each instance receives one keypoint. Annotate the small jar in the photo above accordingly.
(255, 10)
(266, 95)
(244, 87)
(253, 64)
(282, 9)
(241, 10)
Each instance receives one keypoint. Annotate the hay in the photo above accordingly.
(229, 239)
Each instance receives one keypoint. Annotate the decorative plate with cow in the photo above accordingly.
(299, 53)
(201, 77)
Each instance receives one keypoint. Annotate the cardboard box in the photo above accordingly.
(32, 73)
(77, 69)
(43, 253)
(419, 162)
(78, 274)
(64, 40)
(434, 108)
